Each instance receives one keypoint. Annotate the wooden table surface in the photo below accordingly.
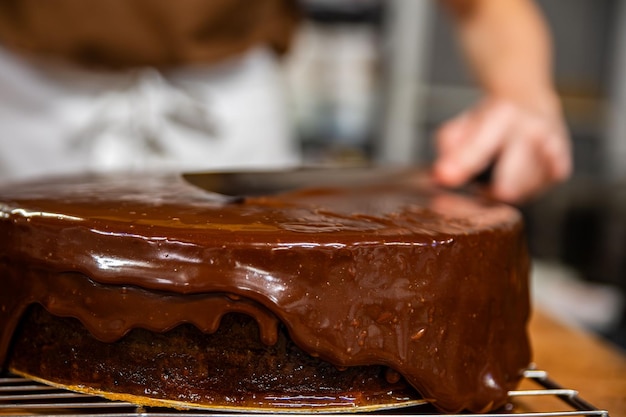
(578, 360)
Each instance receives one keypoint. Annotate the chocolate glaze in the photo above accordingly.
(431, 284)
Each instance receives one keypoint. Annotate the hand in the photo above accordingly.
(529, 150)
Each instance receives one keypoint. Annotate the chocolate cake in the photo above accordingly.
(278, 294)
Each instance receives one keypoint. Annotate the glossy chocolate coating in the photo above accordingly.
(431, 284)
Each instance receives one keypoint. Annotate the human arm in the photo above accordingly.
(518, 126)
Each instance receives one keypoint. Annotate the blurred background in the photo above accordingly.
(366, 69)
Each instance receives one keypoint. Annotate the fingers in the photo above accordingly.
(531, 162)
(558, 149)
(521, 155)
(468, 145)
(451, 137)
(530, 152)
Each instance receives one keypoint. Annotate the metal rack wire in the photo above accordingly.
(21, 397)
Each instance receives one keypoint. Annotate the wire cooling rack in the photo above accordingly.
(22, 397)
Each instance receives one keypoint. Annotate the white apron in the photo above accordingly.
(56, 119)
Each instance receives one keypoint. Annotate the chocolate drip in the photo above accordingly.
(430, 284)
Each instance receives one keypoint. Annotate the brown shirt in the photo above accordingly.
(131, 33)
